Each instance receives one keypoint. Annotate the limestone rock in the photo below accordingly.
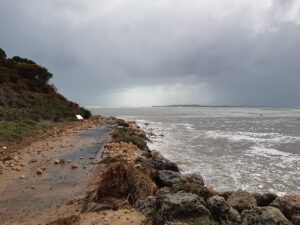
(219, 207)
(265, 199)
(181, 205)
(288, 204)
(264, 216)
(167, 178)
(241, 200)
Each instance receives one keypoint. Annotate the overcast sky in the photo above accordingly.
(155, 52)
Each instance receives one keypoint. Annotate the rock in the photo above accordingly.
(219, 208)
(39, 171)
(56, 162)
(43, 168)
(167, 178)
(264, 215)
(22, 177)
(295, 219)
(195, 179)
(16, 158)
(265, 199)
(61, 161)
(95, 207)
(157, 162)
(74, 166)
(147, 205)
(33, 161)
(234, 216)
(241, 200)
(7, 158)
(206, 192)
(17, 168)
(181, 205)
(288, 204)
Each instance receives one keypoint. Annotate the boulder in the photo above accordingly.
(264, 216)
(296, 219)
(221, 211)
(241, 200)
(219, 208)
(234, 217)
(158, 162)
(265, 199)
(288, 204)
(167, 178)
(171, 207)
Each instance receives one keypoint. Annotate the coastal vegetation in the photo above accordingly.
(28, 102)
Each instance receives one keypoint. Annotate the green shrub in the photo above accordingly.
(124, 135)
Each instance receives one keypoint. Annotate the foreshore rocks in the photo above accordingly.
(181, 205)
(131, 174)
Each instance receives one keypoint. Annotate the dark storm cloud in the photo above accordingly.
(143, 52)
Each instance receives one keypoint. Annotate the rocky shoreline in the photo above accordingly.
(135, 185)
(131, 175)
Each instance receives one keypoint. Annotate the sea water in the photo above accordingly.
(255, 149)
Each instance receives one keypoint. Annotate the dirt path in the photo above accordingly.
(29, 198)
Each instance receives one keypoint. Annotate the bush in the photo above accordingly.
(124, 135)
(2, 54)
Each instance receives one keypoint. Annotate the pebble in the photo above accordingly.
(74, 166)
(39, 171)
(22, 177)
(56, 161)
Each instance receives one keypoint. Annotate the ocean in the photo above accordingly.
(249, 148)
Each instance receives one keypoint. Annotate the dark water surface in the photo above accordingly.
(257, 149)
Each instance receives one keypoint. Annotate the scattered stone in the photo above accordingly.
(74, 166)
(43, 168)
(264, 215)
(56, 161)
(32, 187)
(39, 171)
(81, 157)
(61, 161)
(33, 161)
(288, 204)
(69, 161)
(17, 168)
(241, 200)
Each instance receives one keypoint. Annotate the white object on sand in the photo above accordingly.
(79, 117)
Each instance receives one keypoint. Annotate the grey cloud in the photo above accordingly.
(101, 49)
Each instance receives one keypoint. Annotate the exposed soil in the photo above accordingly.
(27, 197)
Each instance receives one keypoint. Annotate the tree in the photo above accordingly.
(2, 54)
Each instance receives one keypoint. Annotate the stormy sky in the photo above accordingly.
(157, 52)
